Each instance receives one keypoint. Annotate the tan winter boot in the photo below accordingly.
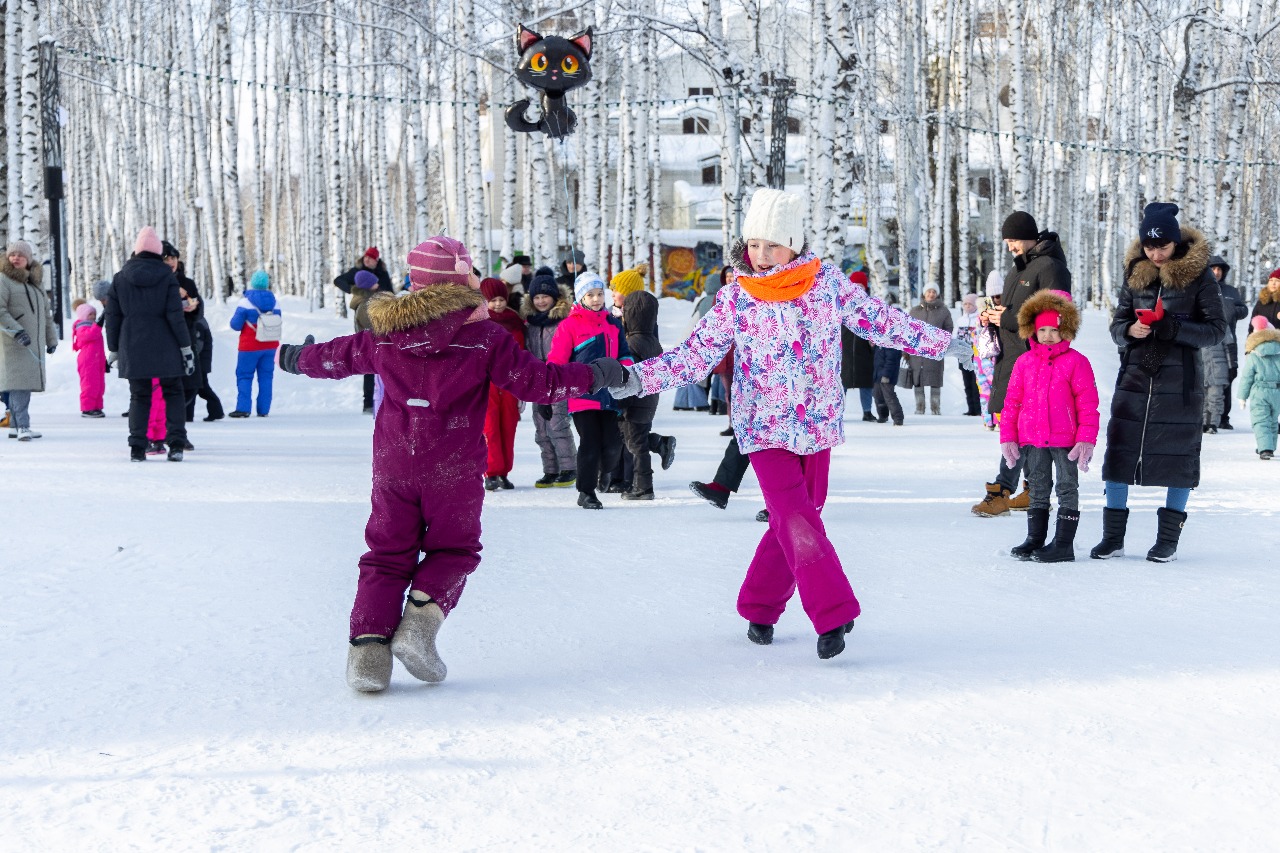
(369, 663)
(1021, 502)
(414, 641)
(996, 503)
(4, 422)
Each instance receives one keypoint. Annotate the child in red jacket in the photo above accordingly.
(504, 409)
(1050, 416)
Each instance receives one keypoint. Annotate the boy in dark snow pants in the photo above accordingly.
(436, 351)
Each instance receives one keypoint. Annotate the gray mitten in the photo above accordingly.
(188, 361)
(629, 388)
(23, 338)
(606, 373)
(289, 354)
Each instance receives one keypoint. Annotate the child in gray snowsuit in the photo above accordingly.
(546, 306)
(1260, 384)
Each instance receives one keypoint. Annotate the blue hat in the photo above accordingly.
(1160, 224)
(366, 280)
(585, 283)
(260, 281)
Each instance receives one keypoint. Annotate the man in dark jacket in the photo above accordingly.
(147, 334)
(1038, 264)
(1234, 310)
(570, 267)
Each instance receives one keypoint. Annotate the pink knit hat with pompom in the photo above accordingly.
(439, 260)
(1259, 323)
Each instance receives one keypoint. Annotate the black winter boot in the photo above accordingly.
(1114, 522)
(1037, 531)
(1170, 528)
(759, 633)
(1061, 549)
(831, 643)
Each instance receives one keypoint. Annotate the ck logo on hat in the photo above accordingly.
(1154, 233)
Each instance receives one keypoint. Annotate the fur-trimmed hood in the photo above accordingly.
(391, 314)
(1260, 336)
(738, 256)
(1048, 300)
(33, 274)
(1179, 272)
(1266, 297)
(558, 311)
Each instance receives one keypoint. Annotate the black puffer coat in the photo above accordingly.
(1153, 437)
(144, 319)
(1044, 267)
(857, 358)
(640, 321)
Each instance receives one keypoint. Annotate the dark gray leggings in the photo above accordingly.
(1038, 466)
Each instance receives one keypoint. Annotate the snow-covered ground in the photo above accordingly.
(174, 638)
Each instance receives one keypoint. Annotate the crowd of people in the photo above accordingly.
(452, 361)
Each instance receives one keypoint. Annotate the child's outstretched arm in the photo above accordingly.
(527, 377)
(692, 360)
(336, 359)
(884, 325)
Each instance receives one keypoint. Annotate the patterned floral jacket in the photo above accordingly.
(786, 377)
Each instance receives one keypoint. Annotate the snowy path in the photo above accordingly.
(173, 652)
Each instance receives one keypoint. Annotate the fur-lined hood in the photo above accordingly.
(388, 313)
(1260, 336)
(1178, 273)
(558, 311)
(33, 274)
(738, 256)
(1049, 300)
(1266, 297)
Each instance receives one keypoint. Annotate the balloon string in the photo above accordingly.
(568, 204)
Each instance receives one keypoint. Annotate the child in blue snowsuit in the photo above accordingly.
(257, 356)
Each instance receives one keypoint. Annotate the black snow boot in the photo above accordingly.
(1037, 532)
(831, 643)
(1114, 522)
(1170, 527)
(1061, 549)
(760, 634)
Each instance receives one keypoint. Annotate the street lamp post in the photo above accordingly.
(488, 221)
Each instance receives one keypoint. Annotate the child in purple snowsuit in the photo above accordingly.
(783, 315)
(436, 351)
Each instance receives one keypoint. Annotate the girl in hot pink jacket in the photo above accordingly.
(1051, 417)
(783, 315)
(91, 360)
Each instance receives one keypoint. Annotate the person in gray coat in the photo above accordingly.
(27, 335)
(1235, 310)
(926, 372)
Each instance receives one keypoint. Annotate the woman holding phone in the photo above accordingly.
(1168, 308)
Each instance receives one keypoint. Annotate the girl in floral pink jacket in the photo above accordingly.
(783, 314)
(1051, 417)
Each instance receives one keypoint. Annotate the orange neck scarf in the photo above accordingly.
(784, 285)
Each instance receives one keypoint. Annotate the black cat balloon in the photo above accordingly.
(553, 65)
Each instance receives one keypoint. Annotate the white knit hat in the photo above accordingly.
(776, 216)
(995, 283)
(585, 283)
(512, 274)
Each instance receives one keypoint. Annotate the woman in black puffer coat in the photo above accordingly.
(1153, 436)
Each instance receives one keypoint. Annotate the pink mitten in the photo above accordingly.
(1082, 455)
(1009, 450)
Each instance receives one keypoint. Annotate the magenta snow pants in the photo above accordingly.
(423, 534)
(156, 420)
(794, 552)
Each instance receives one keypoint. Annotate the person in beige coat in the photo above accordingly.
(27, 334)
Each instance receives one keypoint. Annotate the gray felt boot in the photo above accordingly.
(369, 664)
(414, 641)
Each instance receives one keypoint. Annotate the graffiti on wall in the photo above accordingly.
(685, 269)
